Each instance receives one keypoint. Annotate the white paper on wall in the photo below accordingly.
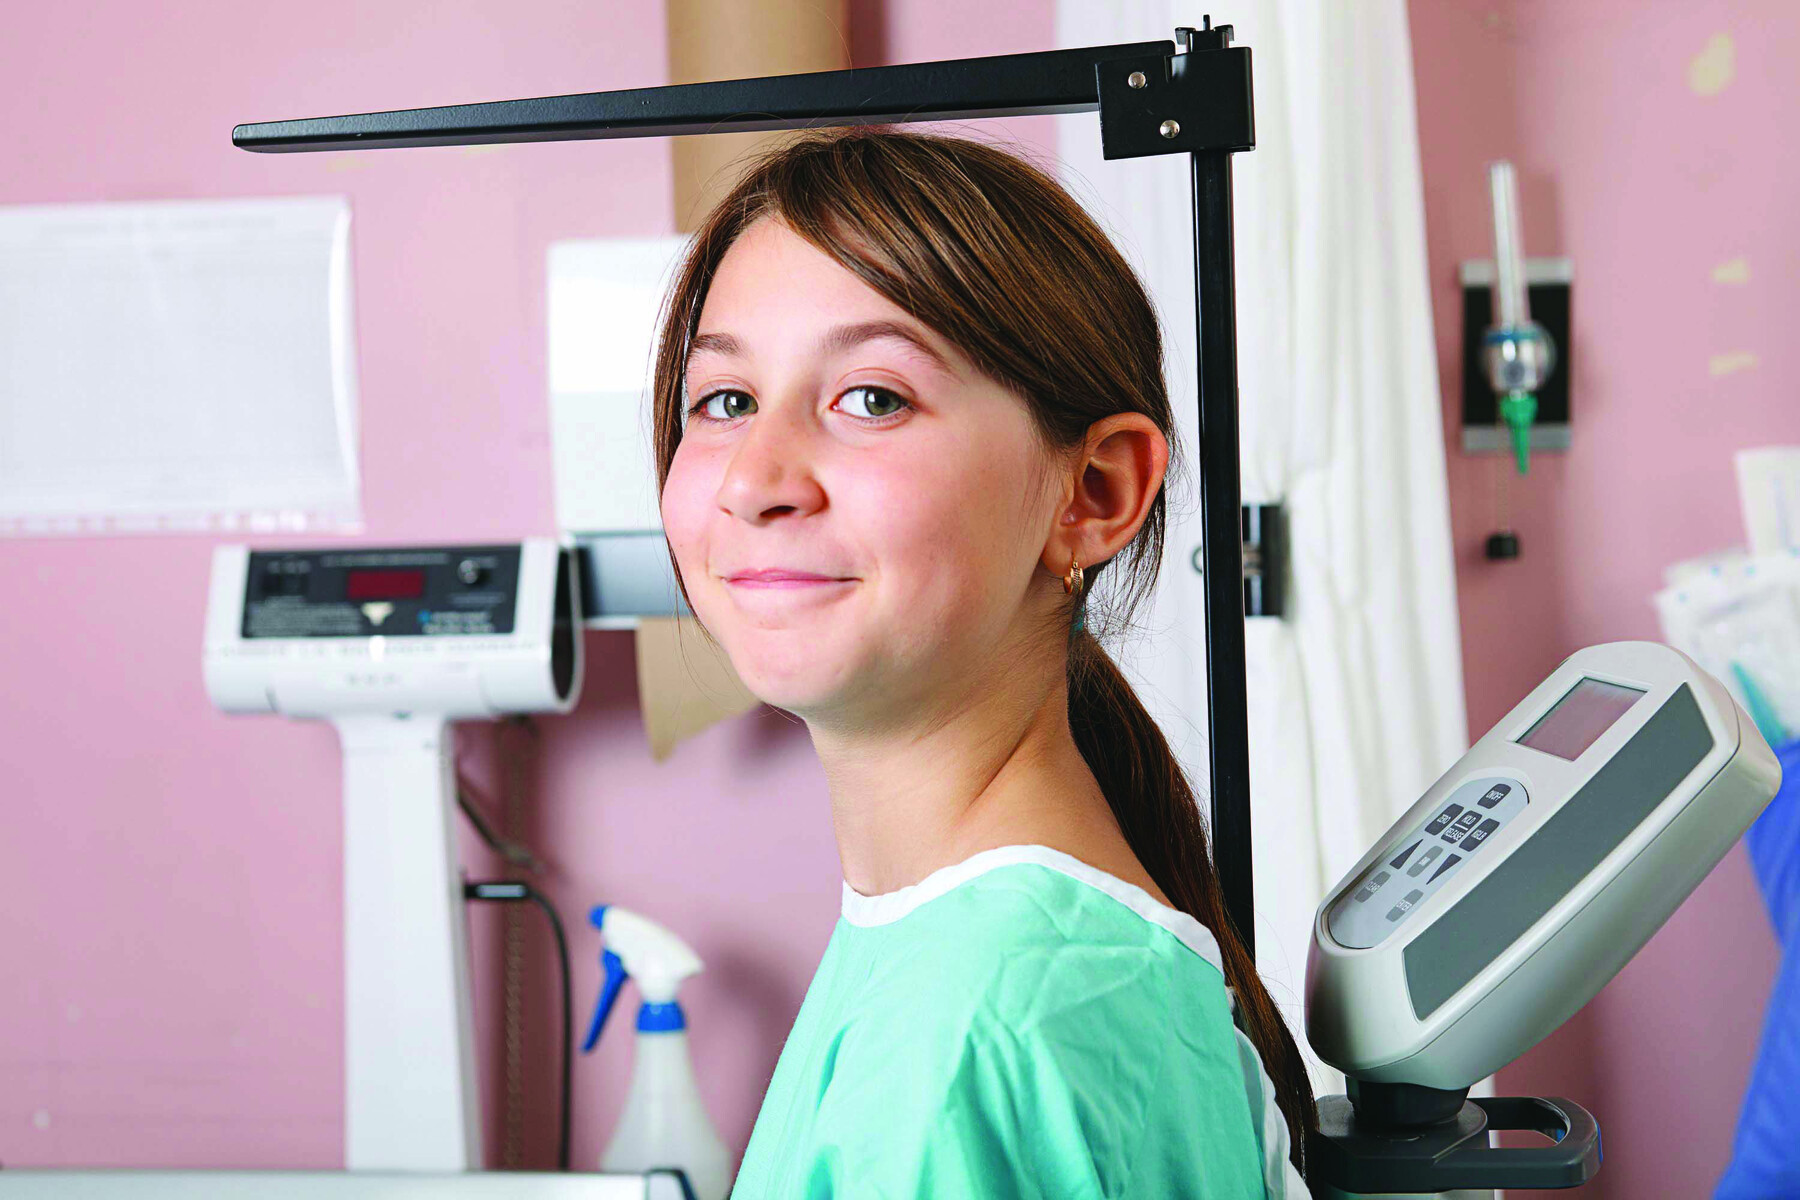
(1769, 487)
(605, 296)
(177, 365)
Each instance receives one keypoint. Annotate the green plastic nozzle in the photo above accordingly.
(1519, 410)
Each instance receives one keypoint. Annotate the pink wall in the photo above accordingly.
(170, 954)
(172, 983)
(1647, 186)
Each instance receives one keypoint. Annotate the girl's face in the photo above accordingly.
(831, 434)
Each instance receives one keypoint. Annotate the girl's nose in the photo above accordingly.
(771, 470)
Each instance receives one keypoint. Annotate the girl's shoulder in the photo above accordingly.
(1028, 986)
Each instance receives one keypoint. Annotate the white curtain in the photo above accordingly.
(1356, 696)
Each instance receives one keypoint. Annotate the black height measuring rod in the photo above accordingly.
(1152, 97)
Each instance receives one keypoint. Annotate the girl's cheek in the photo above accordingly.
(681, 502)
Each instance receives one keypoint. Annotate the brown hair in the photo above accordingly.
(992, 254)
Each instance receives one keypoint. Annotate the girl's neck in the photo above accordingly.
(997, 773)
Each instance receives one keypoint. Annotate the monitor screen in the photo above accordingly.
(1579, 718)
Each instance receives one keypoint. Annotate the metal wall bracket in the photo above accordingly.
(1265, 560)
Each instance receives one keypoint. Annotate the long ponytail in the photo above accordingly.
(1156, 807)
(989, 251)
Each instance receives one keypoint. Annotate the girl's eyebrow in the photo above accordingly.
(716, 343)
(836, 341)
(846, 337)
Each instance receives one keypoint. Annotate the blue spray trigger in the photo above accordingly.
(614, 967)
(614, 978)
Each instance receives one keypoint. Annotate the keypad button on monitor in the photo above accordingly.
(1405, 906)
(1440, 822)
(1479, 834)
(1424, 860)
(1464, 824)
(1370, 888)
(1495, 795)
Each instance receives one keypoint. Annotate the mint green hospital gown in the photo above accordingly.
(1017, 1025)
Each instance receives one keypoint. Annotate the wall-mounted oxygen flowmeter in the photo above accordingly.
(1504, 900)
(391, 645)
(1515, 397)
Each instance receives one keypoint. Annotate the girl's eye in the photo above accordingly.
(736, 404)
(878, 402)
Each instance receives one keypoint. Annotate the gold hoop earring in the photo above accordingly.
(1073, 577)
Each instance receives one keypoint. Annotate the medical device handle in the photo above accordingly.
(1358, 1160)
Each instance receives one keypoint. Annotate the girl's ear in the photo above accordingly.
(1115, 481)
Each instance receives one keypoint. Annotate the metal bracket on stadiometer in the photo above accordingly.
(1152, 99)
(1156, 104)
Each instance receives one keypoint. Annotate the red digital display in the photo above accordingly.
(384, 585)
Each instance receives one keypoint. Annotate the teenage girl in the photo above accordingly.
(909, 405)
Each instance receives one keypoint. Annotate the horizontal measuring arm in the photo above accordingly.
(1211, 105)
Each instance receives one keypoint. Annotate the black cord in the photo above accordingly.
(515, 853)
(509, 891)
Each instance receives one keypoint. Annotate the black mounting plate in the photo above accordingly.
(1176, 103)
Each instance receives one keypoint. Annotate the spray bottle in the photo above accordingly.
(664, 1123)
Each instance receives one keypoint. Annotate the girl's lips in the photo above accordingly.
(781, 575)
(784, 581)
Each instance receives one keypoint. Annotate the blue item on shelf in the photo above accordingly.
(1765, 1160)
